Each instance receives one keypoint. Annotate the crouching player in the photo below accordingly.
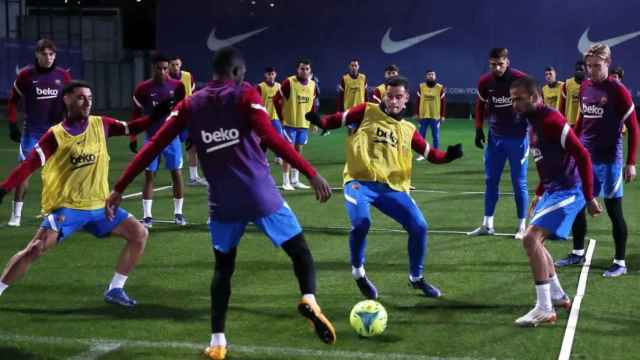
(559, 158)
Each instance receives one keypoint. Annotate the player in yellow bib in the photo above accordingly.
(378, 92)
(268, 89)
(296, 97)
(378, 173)
(352, 89)
(75, 173)
(430, 108)
(552, 90)
(570, 94)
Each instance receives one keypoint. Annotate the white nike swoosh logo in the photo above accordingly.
(389, 46)
(584, 43)
(215, 44)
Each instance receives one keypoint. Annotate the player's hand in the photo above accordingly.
(594, 208)
(321, 188)
(629, 173)
(111, 205)
(3, 192)
(162, 109)
(314, 118)
(14, 132)
(454, 152)
(532, 206)
(480, 138)
(133, 145)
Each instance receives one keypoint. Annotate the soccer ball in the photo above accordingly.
(368, 318)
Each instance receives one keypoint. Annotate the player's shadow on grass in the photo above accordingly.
(17, 354)
(140, 312)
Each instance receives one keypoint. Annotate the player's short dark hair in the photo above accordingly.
(354, 60)
(549, 68)
(269, 69)
(430, 70)
(303, 61)
(528, 83)
(496, 53)
(397, 81)
(74, 84)
(618, 70)
(225, 59)
(157, 57)
(392, 67)
(172, 57)
(44, 43)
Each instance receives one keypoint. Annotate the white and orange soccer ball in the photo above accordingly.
(368, 318)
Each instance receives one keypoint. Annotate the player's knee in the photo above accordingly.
(361, 225)
(530, 243)
(418, 227)
(137, 234)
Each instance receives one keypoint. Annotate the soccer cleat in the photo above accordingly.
(179, 220)
(215, 352)
(536, 317)
(420, 158)
(299, 185)
(482, 231)
(367, 289)
(14, 221)
(147, 222)
(278, 161)
(288, 187)
(615, 270)
(563, 302)
(427, 289)
(325, 133)
(117, 296)
(571, 259)
(197, 182)
(324, 328)
(411, 187)
(520, 233)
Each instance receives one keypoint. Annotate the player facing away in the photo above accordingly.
(606, 107)
(352, 89)
(268, 89)
(570, 93)
(75, 173)
(566, 185)
(507, 140)
(146, 95)
(189, 83)
(378, 173)
(378, 92)
(551, 91)
(296, 98)
(430, 108)
(227, 122)
(39, 87)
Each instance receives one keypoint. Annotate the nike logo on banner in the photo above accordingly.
(389, 46)
(584, 43)
(215, 44)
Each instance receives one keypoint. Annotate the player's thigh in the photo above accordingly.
(401, 207)
(123, 225)
(613, 184)
(27, 144)
(495, 157)
(225, 236)
(357, 200)
(279, 226)
(43, 240)
(172, 155)
(518, 154)
(65, 222)
(555, 212)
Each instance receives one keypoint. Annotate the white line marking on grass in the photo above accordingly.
(404, 231)
(128, 196)
(338, 188)
(96, 351)
(260, 350)
(569, 334)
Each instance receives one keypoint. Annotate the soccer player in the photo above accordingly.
(606, 107)
(176, 73)
(507, 140)
(617, 73)
(39, 86)
(378, 173)
(268, 90)
(296, 98)
(75, 173)
(378, 92)
(227, 122)
(570, 94)
(352, 89)
(146, 95)
(561, 194)
(551, 91)
(430, 108)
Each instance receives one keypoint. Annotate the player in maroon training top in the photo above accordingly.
(39, 87)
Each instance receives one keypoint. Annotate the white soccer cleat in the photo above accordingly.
(520, 233)
(299, 185)
(14, 221)
(536, 317)
(482, 231)
(420, 158)
(288, 187)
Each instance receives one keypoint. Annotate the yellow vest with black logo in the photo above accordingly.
(572, 102)
(380, 150)
(354, 90)
(551, 95)
(187, 81)
(299, 103)
(76, 174)
(268, 92)
(430, 101)
(382, 88)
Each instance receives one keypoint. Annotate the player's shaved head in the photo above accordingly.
(228, 63)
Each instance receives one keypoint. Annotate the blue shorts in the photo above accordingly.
(66, 221)
(172, 155)
(277, 124)
(279, 226)
(27, 142)
(555, 212)
(296, 136)
(607, 180)
(184, 135)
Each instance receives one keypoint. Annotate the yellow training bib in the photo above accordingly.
(354, 90)
(430, 101)
(268, 92)
(299, 103)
